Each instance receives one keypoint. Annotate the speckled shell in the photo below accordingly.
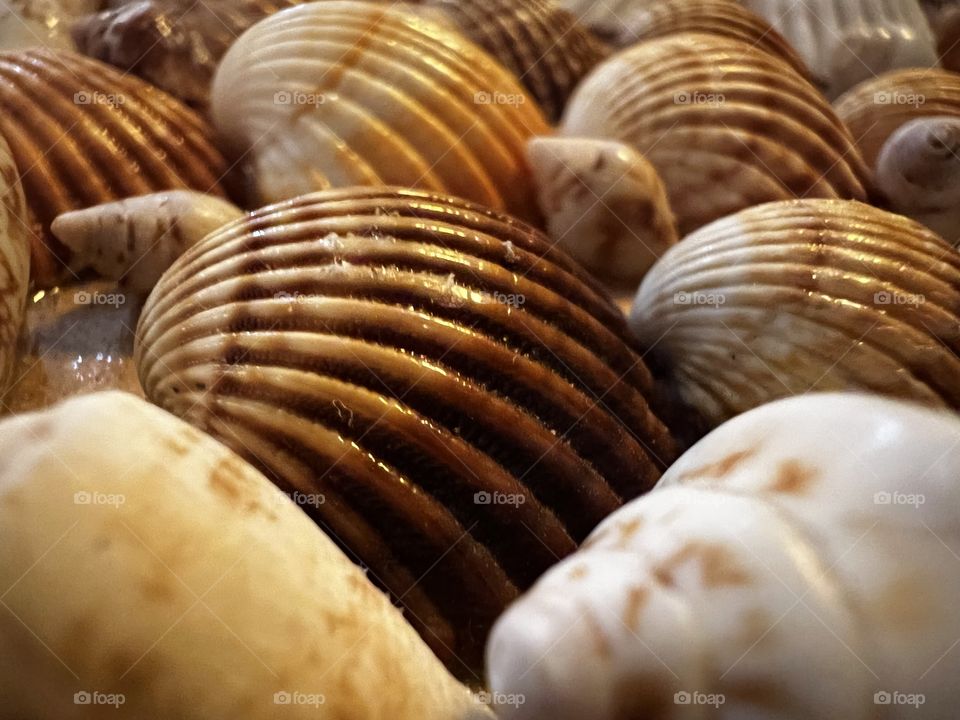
(797, 563)
(83, 134)
(423, 363)
(341, 93)
(845, 42)
(14, 262)
(791, 297)
(721, 141)
(875, 109)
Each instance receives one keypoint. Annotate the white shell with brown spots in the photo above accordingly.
(14, 262)
(795, 563)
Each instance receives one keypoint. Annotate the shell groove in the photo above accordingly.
(341, 93)
(82, 134)
(14, 263)
(791, 297)
(454, 386)
(726, 126)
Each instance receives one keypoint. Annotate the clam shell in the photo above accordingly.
(797, 563)
(82, 134)
(453, 385)
(726, 125)
(341, 93)
(14, 262)
(875, 109)
(791, 297)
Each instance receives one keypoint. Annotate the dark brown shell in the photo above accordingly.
(409, 355)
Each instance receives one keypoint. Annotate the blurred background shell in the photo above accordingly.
(83, 134)
(726, 125)
(455, 387)
(791, 297)
(944, 16)
(341, 93)
(27, 23)
(14, 263)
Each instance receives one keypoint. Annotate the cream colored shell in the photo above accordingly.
(340, 93)
(797, 563)
(791, 297)
(14, 263)
(727, 126)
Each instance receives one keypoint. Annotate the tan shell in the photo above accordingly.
(83, 134)
(433, 369)
(341, 93)
(726, 125)
(14, 263)
(875, 109)
(792, 297)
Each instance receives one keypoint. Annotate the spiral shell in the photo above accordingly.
(721, 141)
(797, 563)
(82, 134)
(875, 109)
(435, 370)
(14, 262)
(791, 297)
(345, 93)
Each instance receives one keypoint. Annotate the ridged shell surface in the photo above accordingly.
(340, 93)
(14, 262)
(82, 134)
(453, 386)
(788, 298)
(726, 126)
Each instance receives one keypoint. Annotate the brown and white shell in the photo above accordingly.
(452, 384)
(792, 297)
(82, 134)
(14, 262)
(343, 93)
(726, 125)
(875, 109)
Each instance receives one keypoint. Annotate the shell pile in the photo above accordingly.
(14, 262)
(455, 388)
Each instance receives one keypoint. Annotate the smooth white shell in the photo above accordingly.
(14, 262)
(797, 563)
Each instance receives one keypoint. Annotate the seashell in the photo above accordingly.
(944, 17)
(791, 297)
(132, 547)
(875, 109)
(14, 263)
(604, 204)
(433, 368)
(173, 45)
(845, 42)
(135, 240)
(796, 563)
(83, 134)
(28, 23)
(919, 171)
(726, 125)
(344, 93)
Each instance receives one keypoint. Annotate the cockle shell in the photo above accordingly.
(845, 42)
(604, 204)
(82, 134)
(877, 108)
(14, 262)
(791, 297)
(341, 93)
(726, 125)
(143, 561)
(797, 563)
(432, 368)
(135, 240)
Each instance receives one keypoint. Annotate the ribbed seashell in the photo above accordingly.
(604, 204)
(14, 262)
(877, 108)
(82, 134)
(797, 563)
(432, 368)
(173, 45)
(28, 23)
(845, 42)
(918, 172)
(342, 93)
(134, 241)
(790, 297)
(726, 125)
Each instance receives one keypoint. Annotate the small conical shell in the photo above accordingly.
(432, 368)
(341, 93)
(82, 134)
(14, 262)
(790, 297)
(875, 109)
(726, 125)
